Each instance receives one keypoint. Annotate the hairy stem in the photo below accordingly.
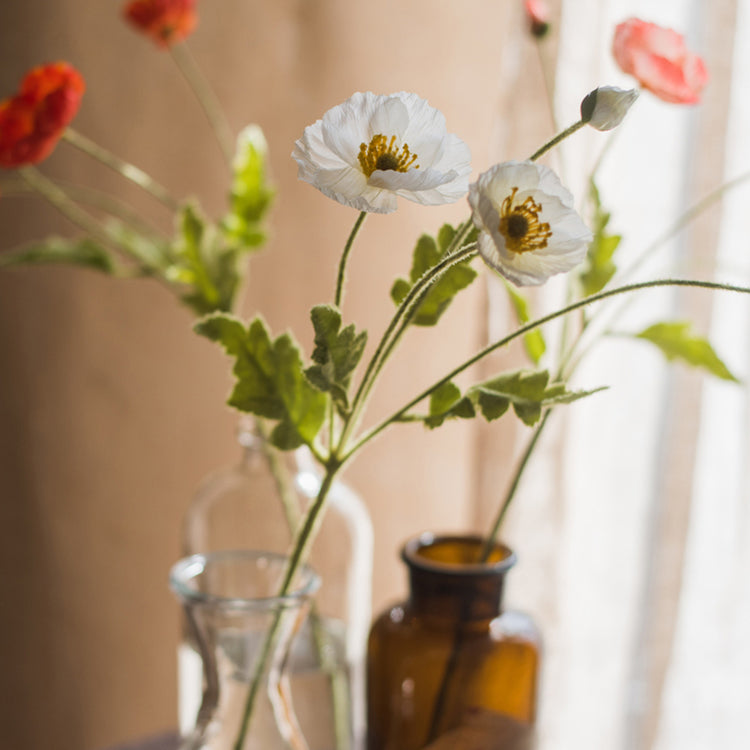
(341, 277)
(406, 307)
(625, 289)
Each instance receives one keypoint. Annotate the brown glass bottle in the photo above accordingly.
(450, 668)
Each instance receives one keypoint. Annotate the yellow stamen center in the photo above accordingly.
(383, 154)
(520, 225)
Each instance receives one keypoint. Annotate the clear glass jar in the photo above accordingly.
(240, 507)
(451, 667)
(242, 632)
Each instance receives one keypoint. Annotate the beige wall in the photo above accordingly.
(111, 409)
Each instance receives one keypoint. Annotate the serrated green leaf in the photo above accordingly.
(528, 392)
(428, 252)
(270, 378)
(676, 342)
(201, 263)
(337, 353)
(446, 402)
(599, 267)
(83, 252)
(445, 236)
(444, 397)
(225, 330)
(251, 194)
(533, 341)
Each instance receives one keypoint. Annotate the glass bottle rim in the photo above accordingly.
(185, 571)
(410, 554)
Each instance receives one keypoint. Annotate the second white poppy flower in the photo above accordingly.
(371, 149)
(528, 228)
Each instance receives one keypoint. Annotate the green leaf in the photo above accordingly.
(528, 392)
(337, 353)
(200, 262)
(676, 342)
(251, 195)
(447, 402)
(77, 252)
(270, 379)
(533, 341)
(428, 252)
(599, 266)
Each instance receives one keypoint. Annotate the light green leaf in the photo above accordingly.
(428, 252)
(599, 266)
(533, 341)
(77, 252)
(199, 262)
(528, 392)
(337, 353)
(446, 402)
(270, 378)
(251, 193)
(676, 341)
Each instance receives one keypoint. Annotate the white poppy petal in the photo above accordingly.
(397, 145)
(528, 229)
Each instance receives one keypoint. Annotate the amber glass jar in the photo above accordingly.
(450, 667)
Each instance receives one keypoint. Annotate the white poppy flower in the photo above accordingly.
(371, 149)
(528, 228)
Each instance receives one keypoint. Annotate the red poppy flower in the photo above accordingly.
(659, 60)
(165, 21)
(32, 122)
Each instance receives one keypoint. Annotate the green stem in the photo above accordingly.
(123, 168)
(71, 211)
(344, 257)
(559, 137)
(625, 289)
(206, 98)
(58, 198)
(685, 218)
(408, 304)
(568, 364)
(93, 198)
(489, 542)
(302, 541)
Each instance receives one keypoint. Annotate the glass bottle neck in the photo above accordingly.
(445, 582)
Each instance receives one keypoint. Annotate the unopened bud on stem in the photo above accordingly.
(604, 108)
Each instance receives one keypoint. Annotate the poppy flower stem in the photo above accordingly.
(557, 139)
(123, 168)
(345, 256)
(206, 98)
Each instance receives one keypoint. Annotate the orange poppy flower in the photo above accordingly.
(32, 121)
(165, 21)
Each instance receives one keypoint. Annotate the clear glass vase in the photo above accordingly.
(243, 632)
(451, 667)
(245, 507)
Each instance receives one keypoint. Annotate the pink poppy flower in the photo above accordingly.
(537, 14)
(659, 60)
(165, 21)
(33, 121)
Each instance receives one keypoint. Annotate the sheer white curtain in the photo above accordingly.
(633, 525)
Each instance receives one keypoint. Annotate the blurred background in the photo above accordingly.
(632, 524)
